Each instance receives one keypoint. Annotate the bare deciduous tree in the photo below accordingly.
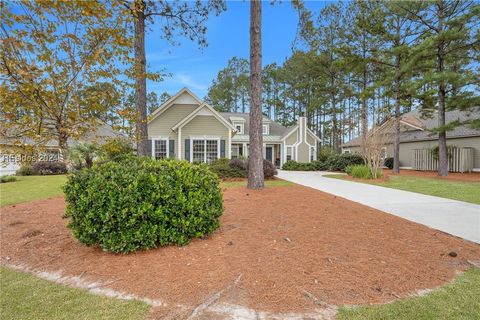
(374, 145)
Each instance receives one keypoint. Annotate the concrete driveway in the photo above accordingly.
(458, 218)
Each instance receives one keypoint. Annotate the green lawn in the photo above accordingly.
(268, 183)
(457, 190)
(459, 300)
(40, 187)
(24, 296)
(30, 188)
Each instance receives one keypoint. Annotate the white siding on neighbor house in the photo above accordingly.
(406, 149)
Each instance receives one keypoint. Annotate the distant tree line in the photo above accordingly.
(358, 63)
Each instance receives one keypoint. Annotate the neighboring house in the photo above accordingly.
(11, 148)
(185, 127)
(416, 135)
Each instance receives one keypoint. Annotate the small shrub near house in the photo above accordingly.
(291, 165)
(44, 168)
(388, 163)
(9, 178)
(225, 170)
(142, 203)
(324, 153)
(238, 163)
(269, 169)
(338, 162)
(25, 170)
(238, 168)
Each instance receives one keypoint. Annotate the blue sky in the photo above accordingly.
(228, 36)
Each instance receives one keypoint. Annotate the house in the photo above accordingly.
(185, 127)
(417, 140)
(12, 148)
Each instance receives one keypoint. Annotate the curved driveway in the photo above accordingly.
(458, 218)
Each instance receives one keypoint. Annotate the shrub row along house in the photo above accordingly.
(185, 127)
(419, 142)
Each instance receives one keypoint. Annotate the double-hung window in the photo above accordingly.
(160, 150)
(205, 150)
(239, 128)
(265, 129)
(312, 153)
(289, 153)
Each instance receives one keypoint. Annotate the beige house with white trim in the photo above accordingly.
(187, 128)
(417, 133)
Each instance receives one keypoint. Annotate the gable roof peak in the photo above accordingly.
(167, 104)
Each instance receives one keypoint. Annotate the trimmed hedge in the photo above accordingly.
(142, 203)
(238, 168)
(335, 162)
(45, 168)
(224, 169)
(338, 162)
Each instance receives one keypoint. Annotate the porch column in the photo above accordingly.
(281, 155)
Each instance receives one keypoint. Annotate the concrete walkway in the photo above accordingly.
(458, 218)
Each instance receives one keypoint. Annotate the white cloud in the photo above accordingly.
(188, 82)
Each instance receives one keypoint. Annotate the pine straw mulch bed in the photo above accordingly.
(283, 249)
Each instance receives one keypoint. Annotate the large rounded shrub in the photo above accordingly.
(142, 204)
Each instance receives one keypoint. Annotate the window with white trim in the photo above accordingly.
(205, 150)
(212, 150)
(312, 153)
(239, 128)
(235, 151)
(265, 128)
(160, 150)
(289, 153)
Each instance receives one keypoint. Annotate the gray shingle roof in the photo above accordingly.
(412, 134)
(276, 130)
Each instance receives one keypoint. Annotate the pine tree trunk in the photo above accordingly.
(255, 160)
(140, 79)
(335, 143)
(396, 143)
(442, 135)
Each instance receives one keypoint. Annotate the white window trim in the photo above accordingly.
(242, 126)
(293, 154)
(310, 147)
(265, 125)
(167, 143)
(204, 139)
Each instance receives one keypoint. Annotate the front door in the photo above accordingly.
(269, 154)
